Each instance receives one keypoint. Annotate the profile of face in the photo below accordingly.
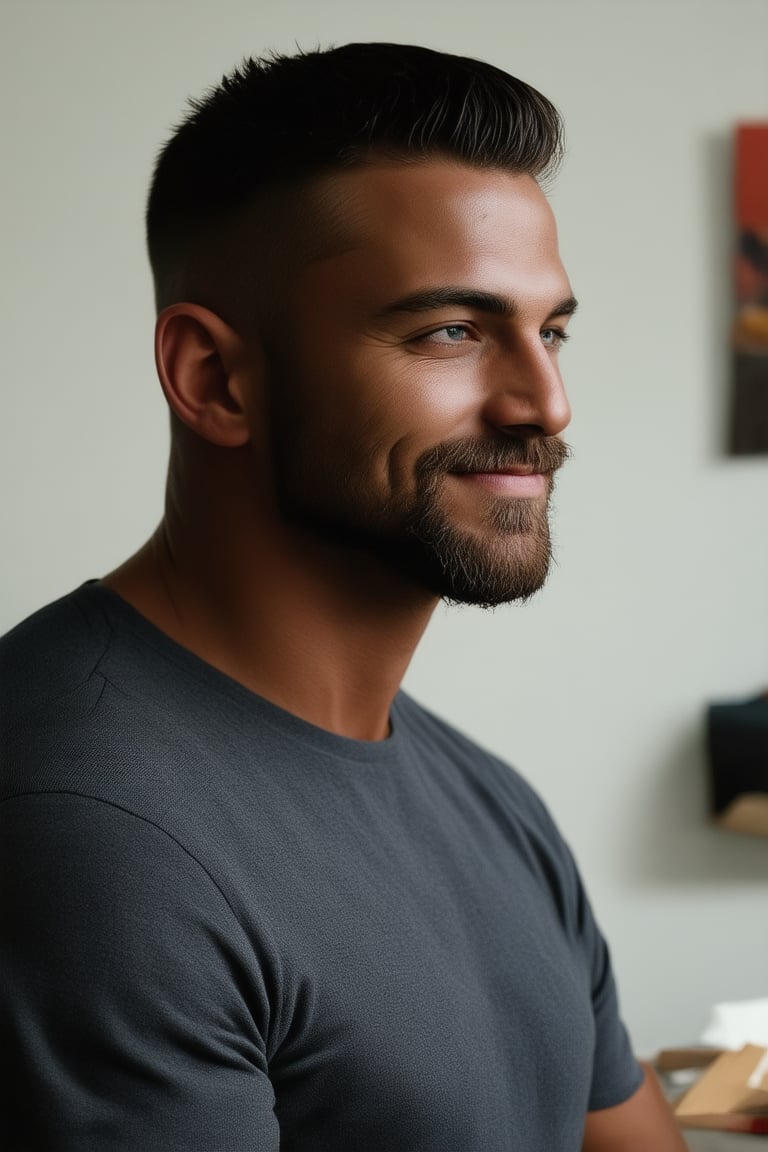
(416, 402)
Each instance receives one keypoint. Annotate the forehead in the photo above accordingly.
(392, 228)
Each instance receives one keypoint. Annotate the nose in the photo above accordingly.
(525, 395)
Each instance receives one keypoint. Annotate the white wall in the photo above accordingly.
(659, 602)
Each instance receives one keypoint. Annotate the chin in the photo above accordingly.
(462, 570)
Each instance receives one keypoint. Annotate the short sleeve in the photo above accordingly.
(616, 1074)
(131, 1010)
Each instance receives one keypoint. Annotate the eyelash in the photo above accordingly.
(560, 335)
(446, 328)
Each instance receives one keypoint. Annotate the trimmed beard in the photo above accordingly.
(506, 559)
(465, 567)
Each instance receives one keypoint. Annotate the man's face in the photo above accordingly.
(416, 399)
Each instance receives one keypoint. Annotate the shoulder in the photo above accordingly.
(50, 677)
(68, 722)
(452, 751)
(51, 653)
(494, 788)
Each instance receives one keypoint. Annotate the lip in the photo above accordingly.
(510, 482)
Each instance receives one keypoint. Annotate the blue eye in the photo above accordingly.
(554, 337)
(450, 334)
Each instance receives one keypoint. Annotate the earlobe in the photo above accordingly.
(199, 361)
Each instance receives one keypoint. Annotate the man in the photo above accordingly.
(254, 895)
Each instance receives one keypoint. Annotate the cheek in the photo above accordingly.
(391, 410)
(392, 387)
(404, 408)
(376, 407)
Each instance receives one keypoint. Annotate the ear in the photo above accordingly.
(202, 366)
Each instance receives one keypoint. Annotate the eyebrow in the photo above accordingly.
(432, 299)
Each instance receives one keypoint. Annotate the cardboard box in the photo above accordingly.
(732, 1092)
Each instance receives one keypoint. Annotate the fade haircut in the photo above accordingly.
(276, 123)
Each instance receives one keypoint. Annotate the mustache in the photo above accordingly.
(538, 454)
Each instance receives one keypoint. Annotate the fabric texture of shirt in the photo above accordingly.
(227, 930)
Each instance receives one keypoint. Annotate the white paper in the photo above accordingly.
(736, 1024)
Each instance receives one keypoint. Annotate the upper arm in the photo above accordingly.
(642, 1122)
(130, 1012)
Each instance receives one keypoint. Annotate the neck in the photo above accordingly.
(324, 632)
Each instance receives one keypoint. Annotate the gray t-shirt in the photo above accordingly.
(226, 930)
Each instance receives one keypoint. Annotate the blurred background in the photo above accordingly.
(658, 603)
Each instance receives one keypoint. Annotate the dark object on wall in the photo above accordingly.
(738, 762)
(749, 338)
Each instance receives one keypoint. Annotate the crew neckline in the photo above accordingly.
(120, 614)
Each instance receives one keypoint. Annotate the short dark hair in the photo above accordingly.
(282, 120)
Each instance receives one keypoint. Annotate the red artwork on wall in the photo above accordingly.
(749, 433)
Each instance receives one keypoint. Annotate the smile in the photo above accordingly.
(510, 483)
